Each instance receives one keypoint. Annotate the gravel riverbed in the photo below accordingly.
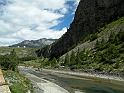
(42, 85)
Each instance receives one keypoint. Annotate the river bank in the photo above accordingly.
(41, 85)
(109, 77)
(92, 77)
(88, 74)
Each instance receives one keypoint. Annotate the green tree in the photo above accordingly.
(72, 58)
(82, 55)
(14, 60)
(42, 61)
(93, 36)
(78, 59)
(9, 61)
(112, 50)
(97, 57)
(53, 62)
(106, 58)
(103, 44)
(13, 54)
(121, 35)
(113, 38)
(67, 61)
(97, 45)
(117, 65)
(102, 41)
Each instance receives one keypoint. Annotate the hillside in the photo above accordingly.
(102, 51)
(105, 52)
(21, 52)
(89, 16)
(103, 33)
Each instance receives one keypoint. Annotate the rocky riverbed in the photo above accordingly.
(90, 73)
(41, 85)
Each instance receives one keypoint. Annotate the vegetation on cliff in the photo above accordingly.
(89, 44)
(90, 16)
(106, 53)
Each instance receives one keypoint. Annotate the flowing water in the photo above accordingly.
(80, 85)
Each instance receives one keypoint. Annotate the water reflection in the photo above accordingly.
(73, 84)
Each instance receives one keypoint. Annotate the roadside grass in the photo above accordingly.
(17, 82)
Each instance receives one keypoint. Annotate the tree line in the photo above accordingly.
(105, 55)
(11, 61)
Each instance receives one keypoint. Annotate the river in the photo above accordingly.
(76, 84)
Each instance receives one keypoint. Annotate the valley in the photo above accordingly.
(88, 58)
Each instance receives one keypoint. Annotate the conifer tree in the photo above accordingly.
(97, 44)
(102, 44)
(67, 61)
(78, 59)
(112, 50)
(112, 37)
(13, 59)
(13, 54)
(72, 59)
(82, 55)
(121, 35)
(53, 62)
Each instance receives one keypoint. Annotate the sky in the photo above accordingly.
(34, 19)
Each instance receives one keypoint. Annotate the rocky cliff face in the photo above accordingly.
(89, 15)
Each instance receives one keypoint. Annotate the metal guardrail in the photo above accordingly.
(4, 88)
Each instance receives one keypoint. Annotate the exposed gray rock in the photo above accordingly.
(89, 15)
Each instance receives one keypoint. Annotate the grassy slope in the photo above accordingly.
(89, 46)
(104, 33)
(19, 51)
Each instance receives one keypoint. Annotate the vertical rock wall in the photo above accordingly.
(89, 15)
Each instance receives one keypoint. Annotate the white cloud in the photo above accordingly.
(77, 2)
(31, 19)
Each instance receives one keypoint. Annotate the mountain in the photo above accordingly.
(89, 16)
(34, 43)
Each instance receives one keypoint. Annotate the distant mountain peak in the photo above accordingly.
(34, 43)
